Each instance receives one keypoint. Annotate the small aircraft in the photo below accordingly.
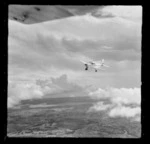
(95, 64)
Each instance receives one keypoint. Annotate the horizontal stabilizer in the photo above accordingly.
(106, 65)
(101, 69)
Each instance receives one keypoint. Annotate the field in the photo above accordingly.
(67, 117)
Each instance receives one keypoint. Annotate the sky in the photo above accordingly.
(49, 53)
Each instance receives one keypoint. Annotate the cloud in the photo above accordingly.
(40, 88)
(123, 102)
(46, 44)
(50, 38)
(100, 106)
(64, 84)
(18, 92)
(99, 94)
(123, 111)
(126, 96)
(118, 96)
(133, 13)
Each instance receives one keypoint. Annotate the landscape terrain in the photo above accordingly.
(67, 117)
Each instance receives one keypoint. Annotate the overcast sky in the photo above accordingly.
(53, 48)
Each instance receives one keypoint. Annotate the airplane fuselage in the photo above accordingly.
(94, 65)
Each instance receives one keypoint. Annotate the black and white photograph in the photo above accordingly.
(74, 71)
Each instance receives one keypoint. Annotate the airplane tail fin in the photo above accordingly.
(102, 61)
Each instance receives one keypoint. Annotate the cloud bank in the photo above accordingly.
(123, 111)
(18, 92)
(38, 89)
(123, 102)
(118, 96)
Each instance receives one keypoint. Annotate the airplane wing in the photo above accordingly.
(98, 67)
(83, 62)
(98, 63)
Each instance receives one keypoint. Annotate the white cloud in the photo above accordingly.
(99, 94)
(123, 111)
(126, 96)
(35, 90)
(100, 106)
(116, 95)
(18, 92)
(120, 102)
(130, 12)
